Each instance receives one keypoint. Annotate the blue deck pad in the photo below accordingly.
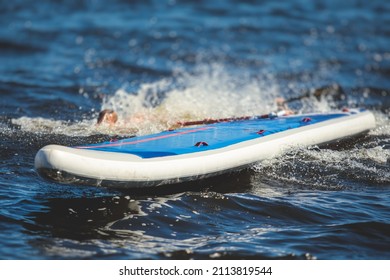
(211, 136)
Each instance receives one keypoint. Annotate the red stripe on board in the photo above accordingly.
(144, 140)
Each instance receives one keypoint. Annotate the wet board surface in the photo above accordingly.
(195, 152)
(207, 137)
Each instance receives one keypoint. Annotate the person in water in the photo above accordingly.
(107, 117)
(110, 117)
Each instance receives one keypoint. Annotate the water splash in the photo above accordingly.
(330, 168)
(209, 92)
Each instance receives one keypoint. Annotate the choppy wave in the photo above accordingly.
(209, 92)
(198, 225)
(212, 92)
(157, 62)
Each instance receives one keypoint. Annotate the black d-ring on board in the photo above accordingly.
(200, 144)
(306, 120)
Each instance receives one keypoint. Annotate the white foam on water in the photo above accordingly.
(382, 124)
(329, 168)
(367, 161)
(210, 92)
(81, 128)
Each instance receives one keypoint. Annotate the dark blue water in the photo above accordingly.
(61, 62)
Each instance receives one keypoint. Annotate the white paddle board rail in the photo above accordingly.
(195, 153)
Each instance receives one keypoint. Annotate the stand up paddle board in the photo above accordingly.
(196, 152)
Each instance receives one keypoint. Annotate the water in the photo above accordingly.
(61, 63)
